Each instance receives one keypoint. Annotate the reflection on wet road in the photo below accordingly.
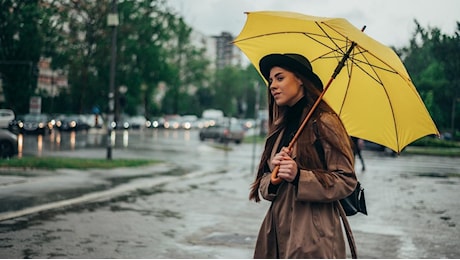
(149, 139)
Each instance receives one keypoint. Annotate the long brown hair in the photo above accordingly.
(276, 122)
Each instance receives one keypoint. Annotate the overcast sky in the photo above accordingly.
(391, 22)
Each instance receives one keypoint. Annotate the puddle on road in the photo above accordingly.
(439, 175)
(224, 239)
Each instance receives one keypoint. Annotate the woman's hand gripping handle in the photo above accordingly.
(285, 167)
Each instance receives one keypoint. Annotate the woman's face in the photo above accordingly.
(285, 87)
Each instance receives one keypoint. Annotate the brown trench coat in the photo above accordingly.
(302, 221)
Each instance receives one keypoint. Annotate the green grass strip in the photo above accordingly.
(53, 163)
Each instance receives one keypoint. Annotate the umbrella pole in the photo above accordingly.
(274, 177)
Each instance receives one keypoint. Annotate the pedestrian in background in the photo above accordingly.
(303, 220)
(357, 147)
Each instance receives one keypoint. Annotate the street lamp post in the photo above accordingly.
(121, 101)
(112, 21)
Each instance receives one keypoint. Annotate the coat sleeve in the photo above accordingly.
(341, 178)
(266, 191)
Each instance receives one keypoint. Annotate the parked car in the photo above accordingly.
(122, 123)
(94, 120)
(172, 122)
(6, 116)
(156, 122)
(189, 122)
(137, 122)
(223, 134)
(8, 144)
(32, 123)
(13, 126)
(72, 123)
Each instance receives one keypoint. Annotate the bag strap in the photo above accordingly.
(350, 238)
(343, 216)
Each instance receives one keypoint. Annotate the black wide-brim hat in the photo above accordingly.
(290, 61)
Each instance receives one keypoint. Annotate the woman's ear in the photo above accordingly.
(299, 80)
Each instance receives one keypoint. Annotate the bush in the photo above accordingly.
(435, 142)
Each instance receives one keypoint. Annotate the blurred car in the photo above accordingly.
(31, 123)
(223, 134)
(94, 120)
(8, 144)
(13, 126)
(137, 122)
(188, 122)
(247, 123)
(6, 116)
(156, 122)
(172, 122)
(122, 123)
(72, 123)
(368, 145)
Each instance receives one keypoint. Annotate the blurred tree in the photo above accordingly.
(145, 39)
(447, 52)
(229, 90)
(80, 47)
(23, 25)
(429, 58)
(255, 91)
(190, 69)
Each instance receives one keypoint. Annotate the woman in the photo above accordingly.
(303, 221)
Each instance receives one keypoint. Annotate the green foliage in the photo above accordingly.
(235, 91)
(20, 49)
(435, 142)
(433, 60)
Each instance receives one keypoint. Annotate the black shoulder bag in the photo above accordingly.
(355, 202)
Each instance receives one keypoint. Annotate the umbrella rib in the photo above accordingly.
(386, 93)
(285, 32)
(331, 38)
(373, 67)
(378, 80)
(332, 50)
(362, 52)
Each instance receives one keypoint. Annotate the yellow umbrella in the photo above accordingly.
(373, 95)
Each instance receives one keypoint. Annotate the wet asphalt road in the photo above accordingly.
(194, 205)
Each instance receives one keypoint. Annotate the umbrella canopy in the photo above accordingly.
(373, 94)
